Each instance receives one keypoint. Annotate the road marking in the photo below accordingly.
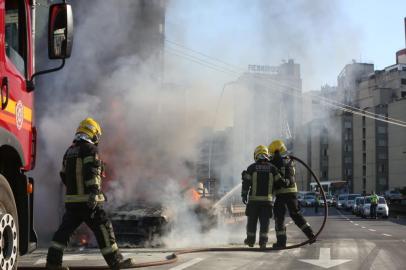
(73, 257)
(356, 224)
(372, 230)
(325, 260)
(351, 221)
(187, 264)
(386, 234)
(363, 227)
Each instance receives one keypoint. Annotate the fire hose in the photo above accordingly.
(174, 256)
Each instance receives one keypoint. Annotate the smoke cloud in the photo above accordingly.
(152, 122)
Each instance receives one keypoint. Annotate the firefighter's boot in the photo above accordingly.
(248, 242)
(50, 266)
(124, 264)
(280, 239)
(310, 234)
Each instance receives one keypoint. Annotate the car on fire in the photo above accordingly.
(140, 223)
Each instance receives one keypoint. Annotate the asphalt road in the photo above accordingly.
(347, 242)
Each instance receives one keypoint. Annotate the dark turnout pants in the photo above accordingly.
(289, 201)
(255, 211)
(97, 221)
(373, 210)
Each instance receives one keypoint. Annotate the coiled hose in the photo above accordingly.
(174, 256)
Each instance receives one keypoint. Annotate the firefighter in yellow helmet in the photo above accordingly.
(286, 195)
(258, 182)
(81, 173)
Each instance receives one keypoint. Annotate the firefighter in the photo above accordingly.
(81, 174)
(286, 196)
(258, 182)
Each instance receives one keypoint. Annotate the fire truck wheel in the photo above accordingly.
(8, 227)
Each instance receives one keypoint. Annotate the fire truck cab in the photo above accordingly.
(17, 126)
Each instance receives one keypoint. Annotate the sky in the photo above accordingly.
(320, 35)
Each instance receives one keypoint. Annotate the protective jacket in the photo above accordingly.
(81, 173)
(286, 167)
(259, 181)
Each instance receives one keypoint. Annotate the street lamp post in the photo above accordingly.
(214, 124)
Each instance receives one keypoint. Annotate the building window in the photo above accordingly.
(325, 152)
(364, 170)
(348, 160)
(364, 133)
(381, 168)
(347, 147)
(364, 145)
(347, 124)
(382, 155)
(381, 142)
(382, 180)
(363, 121)
(382, 130)
(403, 94)
(364, 183)
(403, 81)
(348, 172)
(364, 158)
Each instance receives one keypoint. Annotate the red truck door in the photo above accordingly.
(16, 57)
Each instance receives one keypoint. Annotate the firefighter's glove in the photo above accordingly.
(244, 199)
(245, 176)
(92, 203)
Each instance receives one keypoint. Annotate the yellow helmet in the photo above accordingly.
(261, 150)
(277, 146)
(91, 128)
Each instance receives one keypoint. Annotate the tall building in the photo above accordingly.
(368, 154)
(266, 107)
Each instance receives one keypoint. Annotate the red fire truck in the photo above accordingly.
(17, 129)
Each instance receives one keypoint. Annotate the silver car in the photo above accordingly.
(359, 203)
(350, 201)
(382, 210)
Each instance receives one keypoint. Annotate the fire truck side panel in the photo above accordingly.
(16, 114)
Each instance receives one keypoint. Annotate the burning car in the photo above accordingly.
(140, 224)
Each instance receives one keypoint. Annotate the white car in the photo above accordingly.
(341, 201)
(350, 201)
(382, 210)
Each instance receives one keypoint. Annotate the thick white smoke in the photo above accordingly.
(152, 128)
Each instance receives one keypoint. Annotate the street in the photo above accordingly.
(347, 242)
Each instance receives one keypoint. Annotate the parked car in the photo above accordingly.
(382, 209)
(341, 200)
(300, 197)
(350, 201)
(309, 200)
(359, 203)
(329, 200)
(393, 195)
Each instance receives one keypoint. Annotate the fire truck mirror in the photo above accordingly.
(60, 31)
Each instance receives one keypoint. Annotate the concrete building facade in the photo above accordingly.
(366, 152)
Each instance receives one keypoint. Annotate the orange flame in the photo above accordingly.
(193, 195)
